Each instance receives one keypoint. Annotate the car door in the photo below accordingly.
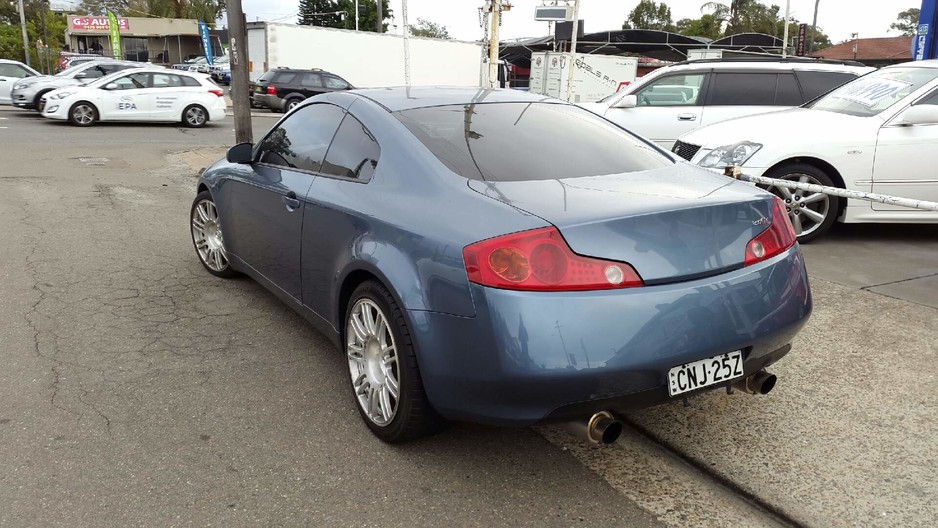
(126, 98)
(667, 108)
(167, 97)
(311, 84)
(906, 162)
(332, 83)
(741, 93)
(9, 74)
(350, 163)
(263, 213)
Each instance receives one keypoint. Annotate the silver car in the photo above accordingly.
(26, 93)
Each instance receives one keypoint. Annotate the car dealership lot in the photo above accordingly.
(138, 389)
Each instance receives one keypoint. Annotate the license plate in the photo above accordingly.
(258, 89)
(699, 374)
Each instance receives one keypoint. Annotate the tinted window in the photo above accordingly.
(188, 81)
(285, 77)
(300, 142)
(268, 75)
(528, 141)
(335, 84)
(673, 90)
(816, 83)
(93, 72)
(787, 92)
(111, 68)
(354, 152)
(736, 89)
(311, 80)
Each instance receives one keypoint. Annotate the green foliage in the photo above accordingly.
(205, 10)
(11, 36)
(907, 21)
(706, 26)
(367, 14)
(649, 14)
(425, 28)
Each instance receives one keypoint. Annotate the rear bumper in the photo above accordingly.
(530, 358)
(270, 101)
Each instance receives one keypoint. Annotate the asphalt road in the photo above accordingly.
(135, 389)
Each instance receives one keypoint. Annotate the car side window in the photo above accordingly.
(93, 72)
(930, 99)
(741, 89)
(354, 152)
(311, 80)
(300, 141)
(817, 83)
(284, 77)
(164, 80)
(787, 92)
(334, 83)
(189, 81)
(13, 70)
(132, 81)
(672, 90)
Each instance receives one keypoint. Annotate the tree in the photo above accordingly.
(11, 36)
(367, 14)
(706, 26)
(425, 28)
(907, 21)
(312, 13)
(649, 14)
(207, 11)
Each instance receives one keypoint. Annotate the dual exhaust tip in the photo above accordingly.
(603, 428)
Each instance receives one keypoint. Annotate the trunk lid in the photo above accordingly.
(671, 224)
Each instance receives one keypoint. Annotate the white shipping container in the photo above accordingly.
(595, 76)
(363, 58)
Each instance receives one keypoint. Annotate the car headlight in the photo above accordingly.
(735, 154)
(23, 85)
(62, 95)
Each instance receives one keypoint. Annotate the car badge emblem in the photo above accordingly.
(761, 221)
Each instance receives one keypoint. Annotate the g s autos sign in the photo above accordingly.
(97, 24)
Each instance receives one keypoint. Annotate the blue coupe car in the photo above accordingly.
(504, 258)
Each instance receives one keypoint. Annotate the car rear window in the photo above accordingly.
(528, 141)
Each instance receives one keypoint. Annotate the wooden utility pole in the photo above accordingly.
(380, 28)
(496, 8)
(25, 37)
(813, 28)
(237, 34)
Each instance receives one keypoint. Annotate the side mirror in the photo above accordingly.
(111, 86)
(924, 114)
(241, 153)
(628, 101)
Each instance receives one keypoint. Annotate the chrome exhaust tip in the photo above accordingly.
(761, 382)
(601, 428)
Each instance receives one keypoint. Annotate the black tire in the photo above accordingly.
(414, 416)
(225, 271)
(291, 103)
(829, 207)
(195, 116)
(83, 114)
(38, 98)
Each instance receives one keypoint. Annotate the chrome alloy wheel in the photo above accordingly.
(195, 116)
(372, 362)
(207, 236)
(807, 210)
(83, 114)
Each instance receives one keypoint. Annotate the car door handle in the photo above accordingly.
(687, 117)
(291, 201)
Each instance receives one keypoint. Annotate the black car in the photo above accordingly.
(283, 88)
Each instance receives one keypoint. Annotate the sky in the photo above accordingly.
(837, 18)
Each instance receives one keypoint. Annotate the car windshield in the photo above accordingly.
(873, 93)
(528, 141)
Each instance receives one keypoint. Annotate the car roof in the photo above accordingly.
(408, 98)
(769, 64)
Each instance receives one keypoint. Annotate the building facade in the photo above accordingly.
(156, 40)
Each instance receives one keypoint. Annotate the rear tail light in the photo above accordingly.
(779, 236)
(271, 89)
(541, 260)
(219, 93)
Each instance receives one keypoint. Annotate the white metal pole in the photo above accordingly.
(356, 15)
(406, 44)
(25, 38)
(576, 26)
(785, 33)
(496, 7)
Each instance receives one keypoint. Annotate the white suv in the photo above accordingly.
(672, 101)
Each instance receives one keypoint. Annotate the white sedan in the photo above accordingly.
(877, 134)
(143, 94)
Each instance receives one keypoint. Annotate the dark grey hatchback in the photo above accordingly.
(498, 257)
